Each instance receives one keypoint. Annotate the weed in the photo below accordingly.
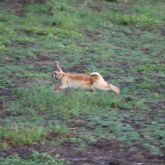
(22, 135)
(4, 146)
(59, 129)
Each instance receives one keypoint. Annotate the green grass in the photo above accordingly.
(91, 106)
(122, 41)
(22, 135)
(157, 68)
(37, 158)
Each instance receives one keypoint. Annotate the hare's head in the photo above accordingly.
(56, 75)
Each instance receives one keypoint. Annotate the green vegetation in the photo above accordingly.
(37, 158)
(22, 135)
(124, 41)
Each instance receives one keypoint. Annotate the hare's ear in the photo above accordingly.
(58, 66)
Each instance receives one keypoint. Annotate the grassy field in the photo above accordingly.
(124, 41)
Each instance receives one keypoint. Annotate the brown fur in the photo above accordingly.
(86, 81)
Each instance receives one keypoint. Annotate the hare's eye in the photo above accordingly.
(55, 73)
